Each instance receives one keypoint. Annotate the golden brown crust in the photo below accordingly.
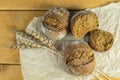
(83, 22)
(56, 19)
(100, 40)
(79, 58)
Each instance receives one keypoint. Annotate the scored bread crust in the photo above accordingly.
(80, 58)
(56, 19)
(85, 69)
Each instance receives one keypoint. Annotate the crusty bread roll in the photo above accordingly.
(83, 22)
(80, 58)
(56, 19)
(55, 22)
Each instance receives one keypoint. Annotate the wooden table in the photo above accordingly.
(16, 14)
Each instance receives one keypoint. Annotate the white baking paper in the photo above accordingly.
(42, 64)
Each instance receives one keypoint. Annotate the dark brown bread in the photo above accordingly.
(80, 58)
(56, 19)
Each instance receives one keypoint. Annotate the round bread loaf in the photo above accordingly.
(56, 19)
(80, 58)
(55, 23)
(100, 40)
(83, 22)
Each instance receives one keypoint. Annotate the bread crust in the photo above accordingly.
(56, 19)
(80, 59)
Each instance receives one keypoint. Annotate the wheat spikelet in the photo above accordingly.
(42, 39)
(32, 44)
(14, 46)
(25, 35)
(25, 44)
(28, 37)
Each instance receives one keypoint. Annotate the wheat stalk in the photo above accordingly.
(36, 45)
(37, 38)
(14, 46)
(32, 44)
(42, 39)
(25, 44)
(25, 35)
(104, 75)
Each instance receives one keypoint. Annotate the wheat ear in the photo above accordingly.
(42, 39)
(32, 44)
(25, 35)
(14, 46)
(36, 37)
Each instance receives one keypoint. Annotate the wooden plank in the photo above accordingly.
(10, 20)
(10, 72)
(46, 4)
(13, 72)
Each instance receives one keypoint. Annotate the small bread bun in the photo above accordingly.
(80, 58)
(100, 40)
(83, 22)
(56, 19)
(55, 22)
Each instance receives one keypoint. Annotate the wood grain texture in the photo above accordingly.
(46, 4)
(13, 72)
(10, 20)
(10, 72)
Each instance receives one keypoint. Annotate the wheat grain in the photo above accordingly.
(25, 35)
(24, 44)
(14, 46)
(46, 42)
(28, 42)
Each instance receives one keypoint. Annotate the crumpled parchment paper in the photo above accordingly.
(42, 64)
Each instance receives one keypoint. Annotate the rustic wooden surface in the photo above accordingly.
(10, 72)
(16, 14)
(46, 4)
